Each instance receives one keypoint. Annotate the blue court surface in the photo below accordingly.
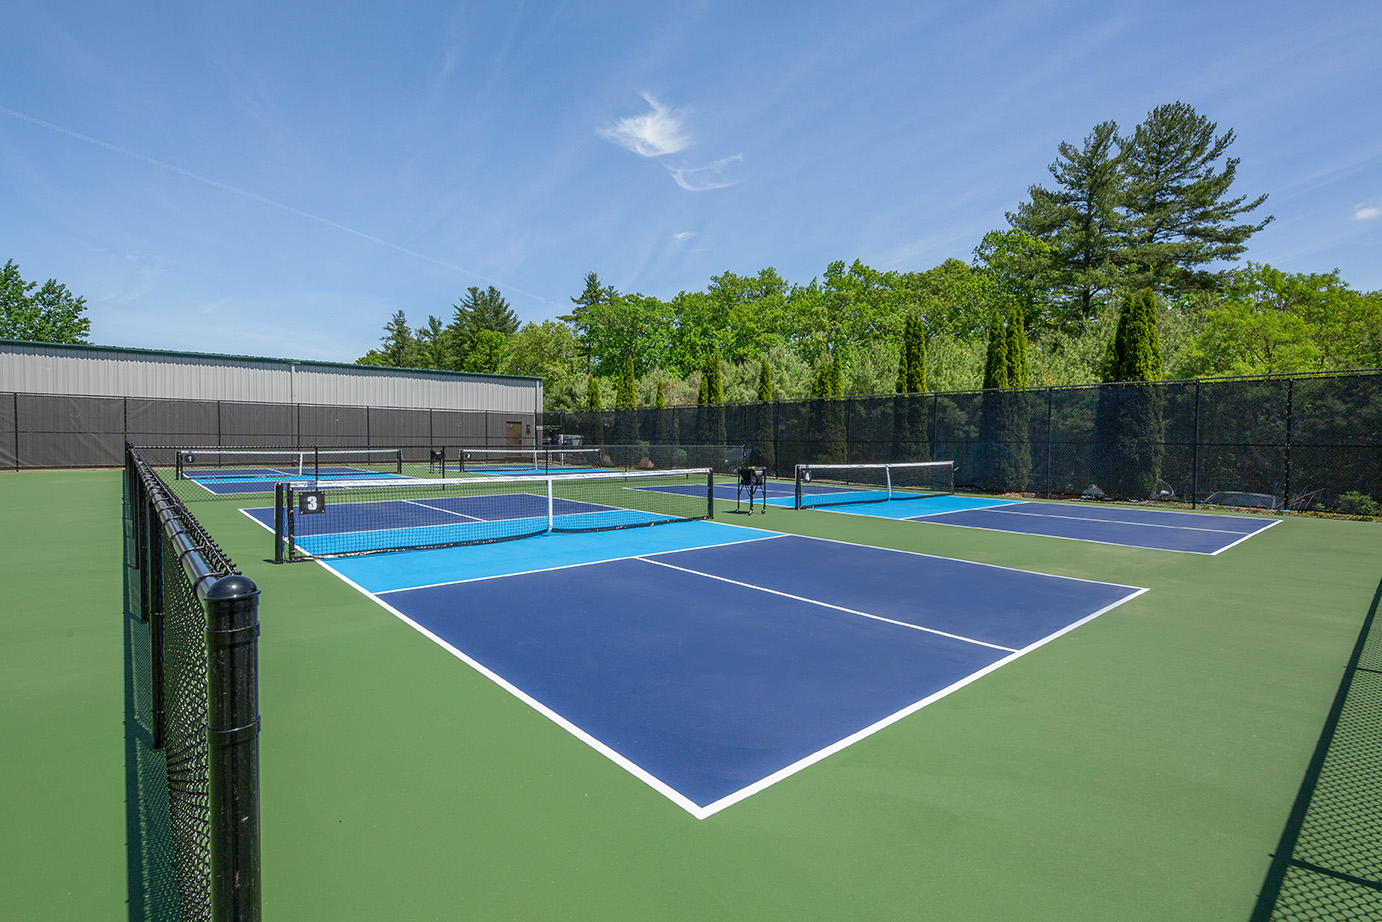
(711, 660)
(1128, 526)
(262, 480)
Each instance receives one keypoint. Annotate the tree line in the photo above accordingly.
(1149, 210)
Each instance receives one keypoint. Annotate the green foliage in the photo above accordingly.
(1082, 225)
(398, 346)
(477, 311)
(1355, 503)
(911, 365)
(996, 367)
(765, 381)
(625, 398)
(661, 394)
(1175, 199)
(486, 352)
(1134, 353)
(712, 384)
(592, 394)
(1018, 372)
(52, 314)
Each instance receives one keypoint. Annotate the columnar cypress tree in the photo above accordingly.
(712, 400)
(661, 394)
(1005, 458)
(1128, 420)
(764, 451)
(625, 403)
(909, 409)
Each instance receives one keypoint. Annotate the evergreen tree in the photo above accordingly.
(661, 394)
(592, 393)
(399, 346)
(996, 358)
(1082, 221)
(764, 447)
(909, 407)
(1128, 419)
(1179, 218)
(711, 415)
(478, 310)
(1004, 452)
(625, 405)
(1019, 373)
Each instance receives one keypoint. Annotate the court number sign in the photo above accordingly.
(311, 501)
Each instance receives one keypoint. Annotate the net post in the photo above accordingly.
(398, 453)
(232, 649)
(551, 519)
(278, 522)
(710, 495)
(797, 502)
(888, 476)
(289, 539)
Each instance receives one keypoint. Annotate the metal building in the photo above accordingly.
(74, 405)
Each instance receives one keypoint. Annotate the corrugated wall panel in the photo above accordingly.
(100, 371)
(8, 456)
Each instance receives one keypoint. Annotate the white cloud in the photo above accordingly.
(685, 236)
(714, 176)
(652, 134)
(1368, 211)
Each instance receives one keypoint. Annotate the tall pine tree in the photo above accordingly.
(909, 406)
(764, 449)
(1005, 454)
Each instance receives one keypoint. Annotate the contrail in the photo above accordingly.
(216, 184)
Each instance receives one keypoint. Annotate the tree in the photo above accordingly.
(1128, 418)
(592, 393)
(1178, 216)
(909, 407)
(1082, 222)
(710, 418)
(764, 446)
(548, 350)
(478, 310)
(1005, 457)
(486, 352)
(50, 315)
(625, 398)
(399, 348)
(434, 346)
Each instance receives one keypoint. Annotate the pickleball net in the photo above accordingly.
(343, 518)
(220, 465)
(544, 460)
(841, 484)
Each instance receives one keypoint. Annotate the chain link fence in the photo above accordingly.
(1275, 443)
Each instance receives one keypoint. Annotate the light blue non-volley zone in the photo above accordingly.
(711, 660)
(1128, 526)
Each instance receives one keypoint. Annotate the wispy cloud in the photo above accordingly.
(685, 237)
(715, 176)
(256, 197)
(1368, 211)
(653, 134)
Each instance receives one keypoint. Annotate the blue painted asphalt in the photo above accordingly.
(1128, 526)
(713, 670)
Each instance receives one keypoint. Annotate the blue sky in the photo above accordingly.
(278, 179)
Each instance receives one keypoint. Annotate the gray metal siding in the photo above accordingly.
(99, 371)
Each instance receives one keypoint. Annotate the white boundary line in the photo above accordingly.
(666, 790)
(1007, 510)
(893, 718)
(848, 611)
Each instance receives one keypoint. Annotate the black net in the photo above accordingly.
(845, 484)
(332, 519)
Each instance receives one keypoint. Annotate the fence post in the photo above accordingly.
(1195, 452)
(1286, 493)
(232, 649)
(1050, 476)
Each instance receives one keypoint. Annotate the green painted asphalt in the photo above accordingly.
(1139, 768)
